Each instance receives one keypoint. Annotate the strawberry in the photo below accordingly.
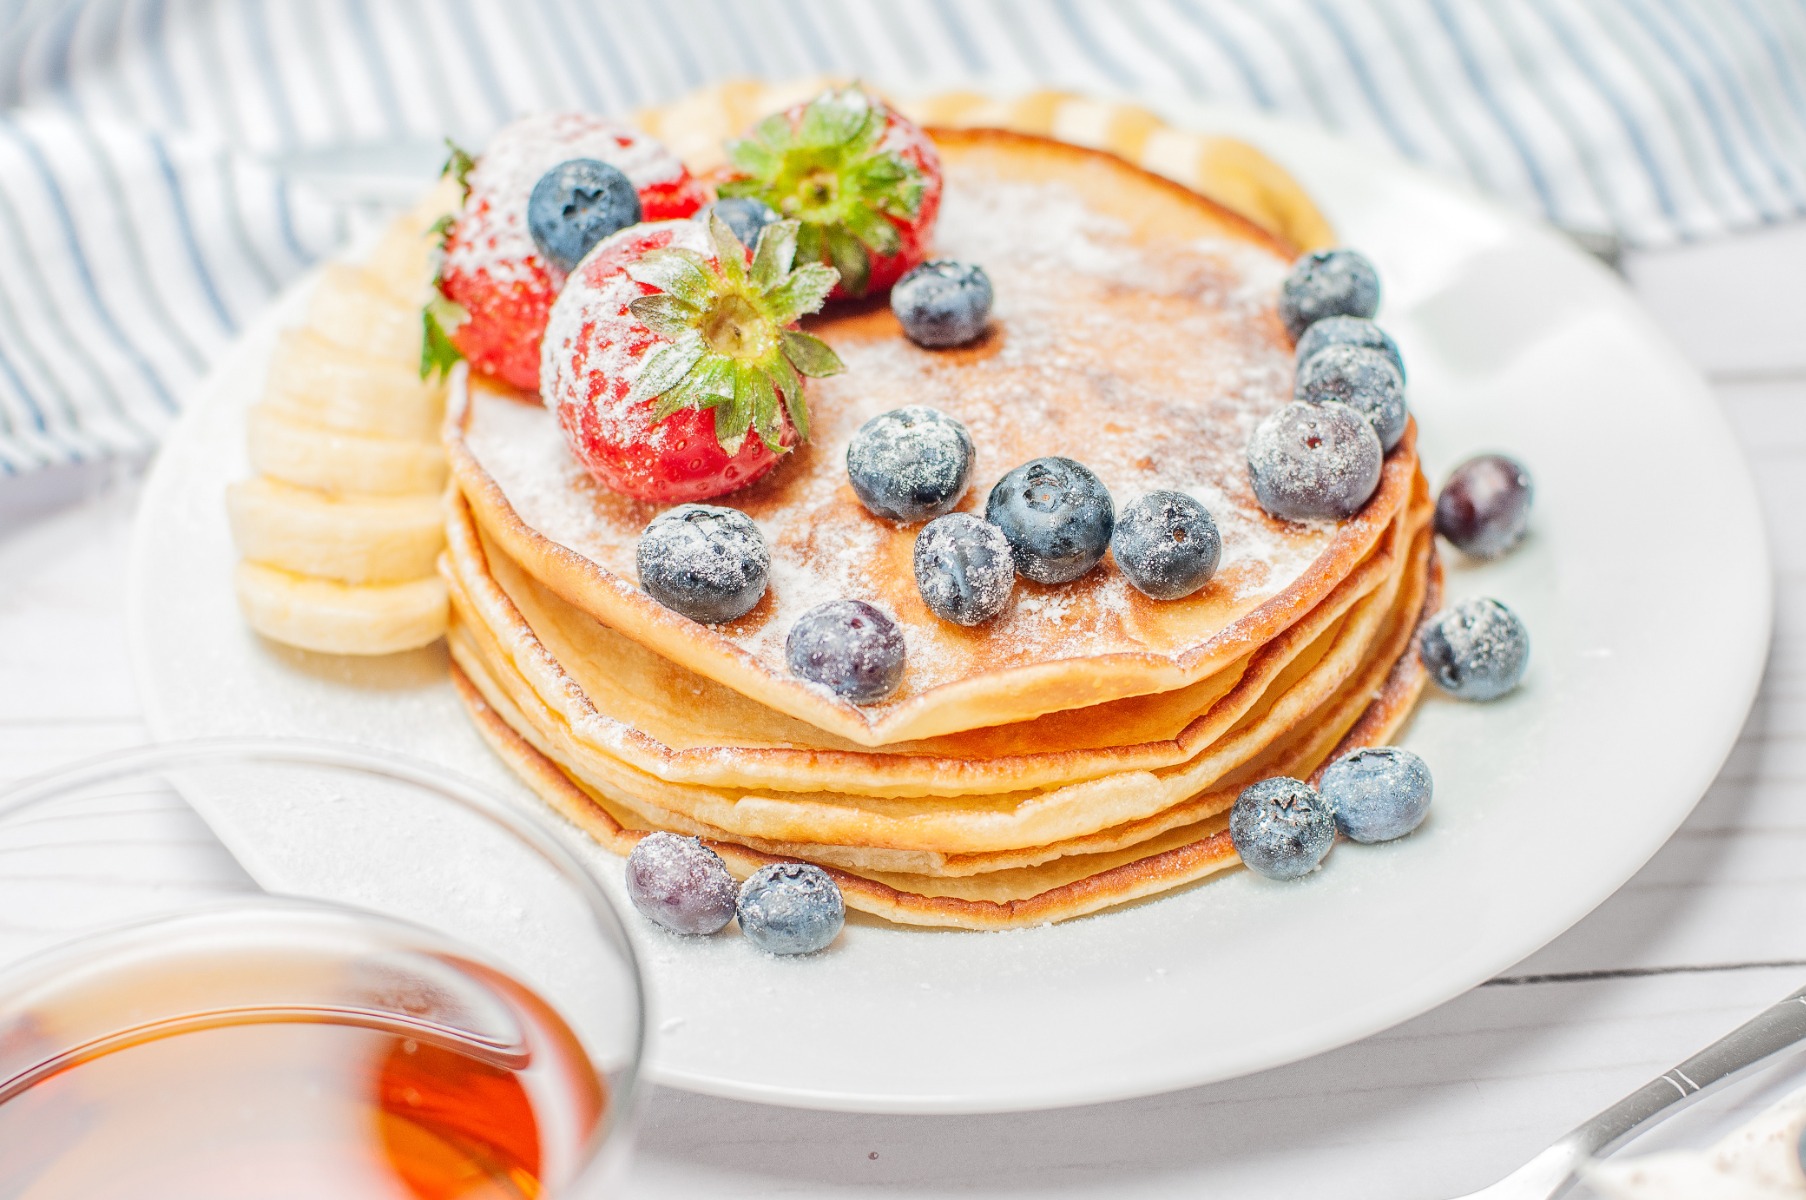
(495, 287)
(673, 361)
(864, 181)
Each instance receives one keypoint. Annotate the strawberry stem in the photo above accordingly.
(730, 342)
(825, 170)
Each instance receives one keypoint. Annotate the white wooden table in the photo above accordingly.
(1713, 929)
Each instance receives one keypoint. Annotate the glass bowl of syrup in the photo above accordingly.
(449, 1009)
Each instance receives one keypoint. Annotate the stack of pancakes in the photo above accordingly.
(1079, 751)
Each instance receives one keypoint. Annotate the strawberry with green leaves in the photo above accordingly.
(495, 286)
(673, 361)
(863, 181)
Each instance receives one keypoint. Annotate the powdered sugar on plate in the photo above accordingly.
(1150, 363)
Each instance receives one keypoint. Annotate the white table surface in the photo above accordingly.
(1711, 930)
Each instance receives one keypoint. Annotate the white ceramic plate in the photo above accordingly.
(1645, 584)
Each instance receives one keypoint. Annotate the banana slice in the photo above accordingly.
(316, 381)
(404, 261)
(327, 460)
(352, 539)
(337, 618)
(350, 306)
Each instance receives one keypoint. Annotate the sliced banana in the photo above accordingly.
(403, 262)
(351, 306)
(348, 538)
(313, 380)
(329, 460)
(338, 618)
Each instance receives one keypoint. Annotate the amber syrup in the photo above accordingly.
(326, 1071)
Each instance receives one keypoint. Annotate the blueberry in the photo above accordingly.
(575, 205)
(708, 563)
(943, 303)
(849, 647)
(1057, 516)
(964, 569)
(1476, 650)
(680, 883)
(1328, 283)
(910, 464)
(1314, 461)
(1166, 544)
(791, 908)
(1378, 794)
(745, 215)
(1281, 827)
(1348, 331)
(1363, 379)
(1484, 508)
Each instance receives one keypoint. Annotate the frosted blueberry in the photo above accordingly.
(1314, 461)
(1166, 544)
(1484, 508)
(1338, 282)
(942, 303)
(705, 562)
(575, 205)
(964, 569)
(1281, 827)
(1362, 378)
(1379, 793)
(745, 215)
(680, 883)
(791, 908)
(849, 647)
(1477, 650)
(1057, 515)
(910, 464)
(1348, 331)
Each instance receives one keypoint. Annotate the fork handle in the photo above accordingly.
(1768, 1033)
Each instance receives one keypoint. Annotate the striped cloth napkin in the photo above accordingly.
(153, 196)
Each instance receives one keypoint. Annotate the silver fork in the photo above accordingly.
(1550, 1173)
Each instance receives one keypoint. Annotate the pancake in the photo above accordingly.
(661, 718)
(1354, 657)
(1071, 886)
(1134, 330)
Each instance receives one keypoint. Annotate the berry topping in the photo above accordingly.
(680, 883)
(744, 215)
(1328, 283)
(910, 464)
(1378, 794)
(1484, 508)
(848, 647)
(1314, 461)
(1281, 827)
(964, 568)
(1348, 331)
(575, 205)
(1166, 544)
(666, 352)
(707, 563)
(495, 285)
(1057, 516)
(943, 303)
(1477, 650)
(864, 181)
(1362, 378)
(791, 908)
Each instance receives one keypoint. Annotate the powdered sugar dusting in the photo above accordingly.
(523, 151)
(1149, 363)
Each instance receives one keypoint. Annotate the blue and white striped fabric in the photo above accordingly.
(146, 214)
